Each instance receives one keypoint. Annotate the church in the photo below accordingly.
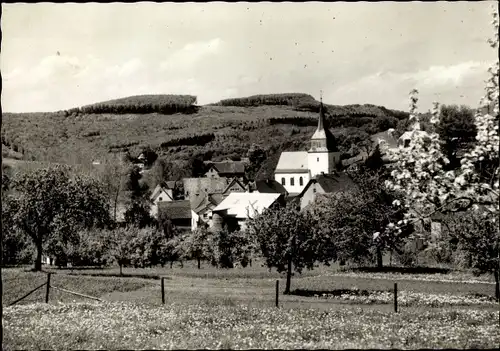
(296, 168)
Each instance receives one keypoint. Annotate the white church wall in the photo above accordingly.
(319, 162)
(296, 187)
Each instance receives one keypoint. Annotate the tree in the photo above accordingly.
(419, 170)
(114, 175)
(256, 156)
(196, 244)
(477, 238)
(285, 238)
(16, 248)
(150, 156)
(52, 205)
(139, 204)
(120, 248)
(197, 166)
(457, 130)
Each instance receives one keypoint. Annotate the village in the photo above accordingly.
(225, 197)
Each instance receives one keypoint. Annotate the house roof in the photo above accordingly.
(240, 204)
(207, 201)
(229, 167)
(180, 209)
(293, 162)
(163, 186)
(232, 183)
(331, 183)
(203, 186)
(388, 137)
(270, 186)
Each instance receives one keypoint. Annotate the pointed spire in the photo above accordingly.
(321, 122)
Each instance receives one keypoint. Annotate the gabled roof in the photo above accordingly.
(331, 183)
(293, 162)
(240, 205)
(232, 183)
(211, 200)
(203, 186)
(180, 209)
(162, 187)
(229, 167)
(270, 186)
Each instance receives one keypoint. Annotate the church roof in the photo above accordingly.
(293, 162)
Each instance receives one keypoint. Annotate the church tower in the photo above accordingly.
(323, 154)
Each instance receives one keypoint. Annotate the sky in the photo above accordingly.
(59, 56)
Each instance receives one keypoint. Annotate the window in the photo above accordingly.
(314, 189)
(301, 181)
(407, 142)
(317, 159)
(292, 181)
(283, 182)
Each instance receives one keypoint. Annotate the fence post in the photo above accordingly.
(48, 288)
(277, 292)
(395, 297)
(162, 290)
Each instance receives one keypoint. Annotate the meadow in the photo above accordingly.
(218, 308)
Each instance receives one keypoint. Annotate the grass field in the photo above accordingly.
(216, 308)
(122, 325)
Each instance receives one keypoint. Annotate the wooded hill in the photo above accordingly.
(275, 122)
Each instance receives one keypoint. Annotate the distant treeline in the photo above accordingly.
(141, 104)
(291, 99)
(199, 139)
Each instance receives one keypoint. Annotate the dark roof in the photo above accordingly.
(180, 209)
(269, 186)
(168, 184)
(211, 199)
(335, 182)
(229, 167)
(201, 186)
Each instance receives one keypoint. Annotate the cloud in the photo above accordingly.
(191, 54)
(459, 83)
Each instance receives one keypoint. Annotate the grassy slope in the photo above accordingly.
(83, 138)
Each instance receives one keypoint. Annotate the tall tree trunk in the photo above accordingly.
(288, 276)
(379, 257)
(199, 263)
(38, 261)
(497, 284)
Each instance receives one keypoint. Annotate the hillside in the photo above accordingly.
(214, 131)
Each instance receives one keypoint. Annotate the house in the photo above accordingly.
(201, 213)
(226, 169)
(324, 184)
(236, 208)
(198, 188)
(296, 168)
(178, 211)
(267, 186)
(234, 186)
(163, 192)
(405, 139)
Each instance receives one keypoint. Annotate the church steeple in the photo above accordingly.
(322, 139)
